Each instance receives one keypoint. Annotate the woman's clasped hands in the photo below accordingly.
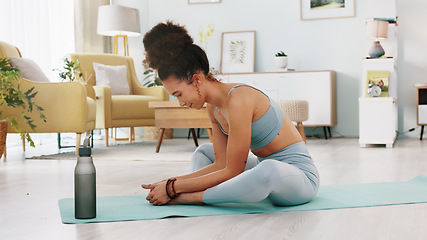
(158, 195)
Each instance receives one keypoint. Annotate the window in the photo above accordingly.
(43, 30)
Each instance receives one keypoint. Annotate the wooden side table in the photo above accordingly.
(169, 114)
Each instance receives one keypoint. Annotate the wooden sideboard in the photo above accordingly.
(317, 87)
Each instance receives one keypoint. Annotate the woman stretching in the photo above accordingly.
(243, 119)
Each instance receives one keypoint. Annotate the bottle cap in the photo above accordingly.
(85, 151)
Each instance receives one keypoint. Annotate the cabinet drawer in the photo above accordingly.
(422, 114)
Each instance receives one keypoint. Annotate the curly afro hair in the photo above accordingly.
(171, 51)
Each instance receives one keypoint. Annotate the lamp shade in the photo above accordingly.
(376, 29)
(118, 20)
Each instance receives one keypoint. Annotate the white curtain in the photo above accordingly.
(43, 30)
(85, 21)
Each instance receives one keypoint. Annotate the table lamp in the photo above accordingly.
(118, 21)
(376, 29)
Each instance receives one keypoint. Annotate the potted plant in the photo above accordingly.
(11, 95)
(281, 60)
(70, 72)
(151, 79)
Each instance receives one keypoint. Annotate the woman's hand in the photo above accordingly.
(150, 186)
(157, 195)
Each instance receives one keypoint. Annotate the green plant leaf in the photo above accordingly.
(11, 95)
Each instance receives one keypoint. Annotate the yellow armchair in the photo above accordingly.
(113, 111)
(68, 106)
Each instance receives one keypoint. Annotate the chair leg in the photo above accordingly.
(78, 139)
(131, 134)
(106, 137)
(301, 130)
(23, 144)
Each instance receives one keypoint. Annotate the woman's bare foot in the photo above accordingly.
(195, 198)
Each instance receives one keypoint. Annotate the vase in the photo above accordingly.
(281, 62)
(3, 134)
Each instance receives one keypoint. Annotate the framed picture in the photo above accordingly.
(203, 1)
(237, 52)
(380, 79)
(321, 9)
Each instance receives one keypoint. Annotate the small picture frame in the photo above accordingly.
(379, 78)
(314, 9)
(237, 52)
(203, 1)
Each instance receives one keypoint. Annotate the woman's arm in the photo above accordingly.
(240, 114)
(220, 149)
(219, 146)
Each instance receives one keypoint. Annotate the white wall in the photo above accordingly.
(412, 62)
(336, 44)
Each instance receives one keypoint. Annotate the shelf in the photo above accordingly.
(377, 99)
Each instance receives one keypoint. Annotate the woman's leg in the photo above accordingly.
(281, 182)
(204, 156)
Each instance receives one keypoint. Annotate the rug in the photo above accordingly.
(177, 150)
(135, 207)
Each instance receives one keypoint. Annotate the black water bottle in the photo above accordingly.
(85, 184)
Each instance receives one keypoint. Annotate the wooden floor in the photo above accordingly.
(30, 189)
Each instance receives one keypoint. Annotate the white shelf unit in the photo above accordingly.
(380, 64)
(317, 87)
(378, 121)
(378, 116)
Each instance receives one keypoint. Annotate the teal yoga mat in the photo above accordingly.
(135, 207)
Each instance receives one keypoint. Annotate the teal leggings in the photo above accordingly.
(286, 178)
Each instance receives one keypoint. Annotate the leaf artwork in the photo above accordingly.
(238, 51)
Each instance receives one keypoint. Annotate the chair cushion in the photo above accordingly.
(132, 107)
(113, 76)
(29, 69)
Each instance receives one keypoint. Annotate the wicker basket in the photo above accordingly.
(152, 133)
(3, 133)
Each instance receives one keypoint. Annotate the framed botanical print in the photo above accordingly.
(321, 9)
(237, 52)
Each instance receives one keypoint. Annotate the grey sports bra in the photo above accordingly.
(265, 129)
